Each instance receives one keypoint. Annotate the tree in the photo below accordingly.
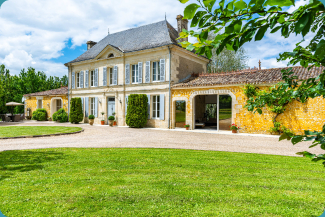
(227, 60)
(241, 23)
(76, 113)
(137, 110)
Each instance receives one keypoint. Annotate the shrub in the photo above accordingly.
(76, 114)
(137, 110)
(40, 115)
(91, 117)
(111, 118)
(60, 115)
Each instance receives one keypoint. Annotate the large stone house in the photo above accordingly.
(143, 60)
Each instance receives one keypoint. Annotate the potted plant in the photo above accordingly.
(114, 124)
(234, 128)
(111, 120)
(187, 126)
(91, 119)
(49, 119)
(102, 122)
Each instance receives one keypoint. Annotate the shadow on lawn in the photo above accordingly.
(13, 162)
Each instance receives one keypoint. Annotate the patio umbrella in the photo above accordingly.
(13, 104)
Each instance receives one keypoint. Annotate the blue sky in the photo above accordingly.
(45, 34)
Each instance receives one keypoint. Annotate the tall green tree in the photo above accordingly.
(236, 22)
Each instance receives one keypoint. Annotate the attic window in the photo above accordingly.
(110, 55)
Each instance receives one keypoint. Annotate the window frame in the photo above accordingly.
(111, 72)
(78, 79)
(58, 100)
(39, 103)
(154, 71)
(136, 71)
(156, 107)
(92, 78)
(92, 106)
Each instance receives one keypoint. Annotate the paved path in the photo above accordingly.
(118, 137)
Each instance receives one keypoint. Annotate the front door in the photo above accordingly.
(110, 106)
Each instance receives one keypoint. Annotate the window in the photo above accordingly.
(58, 104)
(110, 55)
(156, 107)
(92, 106)
(39, 104)
(111, 75)
(92, 78)
(135, 73)
(156, 71)
(78, 79)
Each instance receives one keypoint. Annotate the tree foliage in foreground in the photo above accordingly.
(13, 87)
(236, 22)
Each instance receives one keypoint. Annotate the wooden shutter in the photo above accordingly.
(115, 75)
(147, 76)
(96, 77)
(81, 79)
(148, 106)
(96, 107)
(162, 107)
(86, 107)
(73, 80)
(127, 74)
(162, 70)
(126, 104)
(105, 76)
(82, 104)
(140, 72)
(87, 79)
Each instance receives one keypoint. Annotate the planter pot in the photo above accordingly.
(110, 123)
(234, 131)
(91, 121)
(102, 122)
(114, 124)
(187, 128)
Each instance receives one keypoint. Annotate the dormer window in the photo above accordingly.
(110, 55)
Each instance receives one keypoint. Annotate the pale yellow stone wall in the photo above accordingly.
(298, 117)
(31, 102)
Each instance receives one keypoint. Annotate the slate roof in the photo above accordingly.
(140, 38)
(248, 76)
(59, 91)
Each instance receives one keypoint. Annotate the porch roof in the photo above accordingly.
(59, 91)
(247, 76)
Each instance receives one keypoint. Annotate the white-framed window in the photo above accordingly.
(92, 106)
(78, 79)
(135, 74)
(58, 104)
(111, 71)
(39, 103)
(156, 71)
(92, 78)
(156, 106)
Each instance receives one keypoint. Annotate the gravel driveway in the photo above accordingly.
(118, 137)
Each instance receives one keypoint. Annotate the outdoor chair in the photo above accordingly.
(16, 118)
(7, 119)
(21, 117)
(3, 118)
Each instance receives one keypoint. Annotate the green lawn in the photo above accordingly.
(158, 182)
(180, 116)
(224, 114)
(14, 131)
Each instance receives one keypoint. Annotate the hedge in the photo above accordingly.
(137, 110)
(60, 115)
(76, 114)
(40, 115)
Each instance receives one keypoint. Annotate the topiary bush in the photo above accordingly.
(60, 116)
(76, 114)
(111, 118)
(137, 110)
(40, 115)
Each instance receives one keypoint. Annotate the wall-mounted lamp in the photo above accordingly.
(120, 100)
(100, 101)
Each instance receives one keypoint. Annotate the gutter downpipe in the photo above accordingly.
(170, 97)
(68, 93)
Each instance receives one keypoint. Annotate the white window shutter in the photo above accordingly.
(162, 70)
(73, 80)
(148, 106)
(115, 75)
(86, 107)
(81, 79)
(126, 104)
(96, 107)
(96, 77)
(127, 74)
(87, 79)
(140, 72)
(147, 76)
(105, 76)
(162, 107)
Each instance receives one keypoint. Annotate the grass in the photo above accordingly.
(158, 182)
(180, 116)
(224, 113)
(14, 131)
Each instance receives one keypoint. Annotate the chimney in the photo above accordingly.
(259, 64)
(182, 24)
(90, 44)
(108, 31)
